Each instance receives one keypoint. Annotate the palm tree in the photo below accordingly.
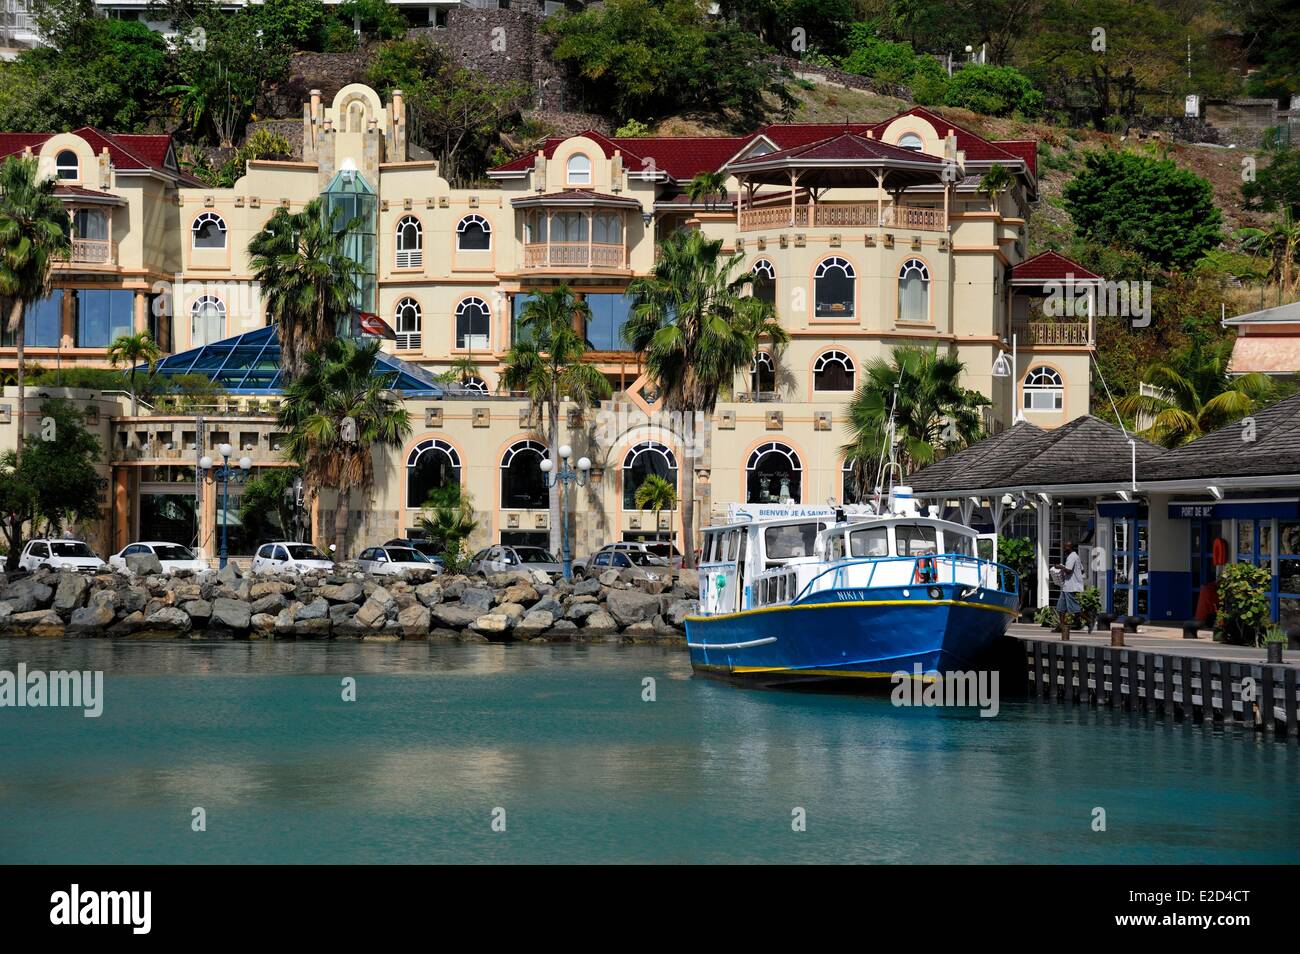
(35, 232)
(133, 350)
(932, 412)
(547, 364)
(307, 278)
(658, 495)
(1194, 394)
(333, 414)
(1280, 245)
(994, 182)
(448, 517)
(697, 327)
(707, 186)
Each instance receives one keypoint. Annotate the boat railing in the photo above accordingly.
(926, 569)
(776, 586)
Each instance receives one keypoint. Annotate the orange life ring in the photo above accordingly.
(1220, 550)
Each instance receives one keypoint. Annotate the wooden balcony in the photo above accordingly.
(843, 215)
(574, 255)
(1052, 333)
(92, 252)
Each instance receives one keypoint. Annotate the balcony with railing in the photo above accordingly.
(843, 215)
(1052, 333)
(583, 255)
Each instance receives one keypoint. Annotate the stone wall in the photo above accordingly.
(827, 74)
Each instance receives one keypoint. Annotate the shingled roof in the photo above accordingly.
(1087, 450)
(1226, 452)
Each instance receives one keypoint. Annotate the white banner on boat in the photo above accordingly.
(737, 513)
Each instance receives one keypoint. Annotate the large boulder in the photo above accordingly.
(200, 611)
(169, 618)
(383, 597)
(342, 612)
(493, 624)
(37, 623)
(90, 620)
(678, 610)
(689, 579)
(631, 606)
(589, 587)
(454, 615)
(143, 564)
(6, 610)
(349, 592)
(414, 621)
(580, 611)
(261, 626)
(29, 594)
(609, 578)
(270, 604)
(229, 575)
(599, 623)
(430, 594)
(231, 614)
(268, 587)
(534, 623)
(371, 615)
(316, 609)
(522, 593)
(477, 597)
(71, 592)
(132, 599)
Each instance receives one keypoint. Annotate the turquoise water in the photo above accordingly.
(257, 734)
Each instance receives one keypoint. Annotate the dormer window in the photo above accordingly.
(66, 165)
(578, 170)
(911, 141)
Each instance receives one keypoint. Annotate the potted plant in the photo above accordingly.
(1046, 617)
(1090, 606)
(1243, 604)
(1274, 640)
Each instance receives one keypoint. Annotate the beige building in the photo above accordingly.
(867, 236)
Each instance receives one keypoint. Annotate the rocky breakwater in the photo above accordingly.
(346, 603)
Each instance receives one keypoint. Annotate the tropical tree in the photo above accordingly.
(1279, 244)
(1193, 394)
(334, 414)
(658, 495)
(697, 327)
(995, 182)
(133, 350)
(267, 509)
(307, 278)
(707, 186)
(35, 232)
(546, 363)
(931, 411)
(448, 518)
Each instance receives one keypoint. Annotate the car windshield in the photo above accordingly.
(172, 551)
(71, 550)
(663, 549)
(641, 559)
(305, 551)
(534, 555)
(405, 555)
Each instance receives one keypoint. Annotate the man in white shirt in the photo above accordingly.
(1071, 586)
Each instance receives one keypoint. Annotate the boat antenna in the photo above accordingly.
(884, 468)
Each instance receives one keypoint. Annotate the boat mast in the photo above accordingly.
(887, 469)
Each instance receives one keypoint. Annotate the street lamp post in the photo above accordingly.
(225, 473)
(565, 476)
(1003, 370)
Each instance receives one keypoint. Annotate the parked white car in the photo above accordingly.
(172, 556)
(60, 555)
(394, 561)
(503, 559)
(633, 564)
(288, 557)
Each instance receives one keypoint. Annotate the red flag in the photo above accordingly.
(371, 324)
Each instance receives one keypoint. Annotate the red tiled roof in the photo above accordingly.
(576, 196)
(845, 146)
(789, 135)
(126, 151)
(1026, 149)
(1049, 266)
(73, 191)
(976, 147)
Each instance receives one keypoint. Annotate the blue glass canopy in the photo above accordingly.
(250, 364)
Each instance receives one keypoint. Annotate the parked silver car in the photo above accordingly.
(394, 561)
(634, 564)
(502, 559)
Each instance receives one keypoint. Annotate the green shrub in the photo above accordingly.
(1243, 604)
(1046, 616)
(377, 18)
(993, 90)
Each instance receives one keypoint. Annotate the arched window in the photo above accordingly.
(473, 323)
(207, 320)
(523, 485)
(66, 165)
(410, 242)
(762, 375)
(833, 371)
(646, 458)
(914, 291)
(431, 465)
(910, 141)
(835, 289)
(1044, 390)
(474, 234)
(209, 231)
(407, 324)
(773, 475)
(764, 284)
(854, 483)
(476, 385)
(578, 170)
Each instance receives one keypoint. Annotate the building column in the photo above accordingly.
(121, 522)
(1169, 570)
(141, 303)
(1044, 514)
(206, 510)
(68, 333)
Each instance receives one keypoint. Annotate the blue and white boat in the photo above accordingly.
(847, 596)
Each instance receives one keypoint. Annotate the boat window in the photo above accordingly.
(794, 540)
(954, 542)
(836, 548)
(868, 542)
(914, 539)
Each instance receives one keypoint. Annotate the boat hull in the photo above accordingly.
(851, 635)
